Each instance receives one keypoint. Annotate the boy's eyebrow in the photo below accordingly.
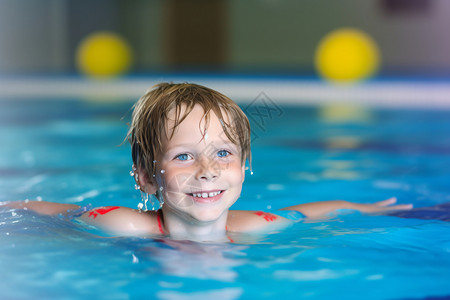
(209, 144)
(208, 148)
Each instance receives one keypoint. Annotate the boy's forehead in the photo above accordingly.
(197, 115)
(196, 122)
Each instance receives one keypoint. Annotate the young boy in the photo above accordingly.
(189, 148)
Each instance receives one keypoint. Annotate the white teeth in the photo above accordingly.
(205, 195)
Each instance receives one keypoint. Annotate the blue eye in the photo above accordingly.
(223, 153)
(183, 156)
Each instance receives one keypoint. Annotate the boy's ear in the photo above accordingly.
(243, 173)
(145, 181)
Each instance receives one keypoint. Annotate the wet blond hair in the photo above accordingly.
(149, 124)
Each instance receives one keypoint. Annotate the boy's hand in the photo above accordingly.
(321, 209)
(381, 206)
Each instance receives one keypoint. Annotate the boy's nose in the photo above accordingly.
(207, 170)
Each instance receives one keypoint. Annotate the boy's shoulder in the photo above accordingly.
(248, 221)
(118, 220)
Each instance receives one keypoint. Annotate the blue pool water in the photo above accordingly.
(70, 151)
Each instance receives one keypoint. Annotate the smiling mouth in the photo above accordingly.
(206, 196)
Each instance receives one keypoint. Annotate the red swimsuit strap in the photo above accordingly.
(158, 218)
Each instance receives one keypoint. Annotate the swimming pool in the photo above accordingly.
(69, 151)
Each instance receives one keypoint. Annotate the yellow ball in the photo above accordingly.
(103, 54)
(346, 55)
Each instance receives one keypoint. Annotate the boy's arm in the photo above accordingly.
(320, 209)
(254, 221)
(114, 220)
(42, 207)
(123, 221)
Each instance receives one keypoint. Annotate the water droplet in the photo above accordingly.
(135, 259)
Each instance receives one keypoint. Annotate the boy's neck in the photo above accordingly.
(179, 228)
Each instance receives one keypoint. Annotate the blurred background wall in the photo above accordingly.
(255, 36)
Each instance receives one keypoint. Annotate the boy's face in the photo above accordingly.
(201, 171)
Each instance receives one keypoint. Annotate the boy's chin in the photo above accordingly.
(208, 216)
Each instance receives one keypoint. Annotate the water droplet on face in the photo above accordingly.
(163, 171)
